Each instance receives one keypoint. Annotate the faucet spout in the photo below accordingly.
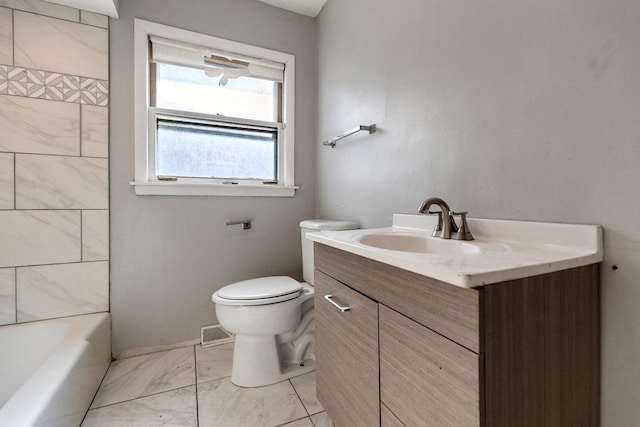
(446, 225)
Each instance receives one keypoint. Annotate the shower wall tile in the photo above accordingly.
(20, 81)
(4, 82)
(43, 8)
(7, 296)
(94, 19)
(60, 46)
(39, 237)
(50, 291)
(6, 181)
(6, 36)
(95, 131)
(95, 235)
(54, 218)
(39, 126)
(58, 182)
(94, 91)
(23, 82)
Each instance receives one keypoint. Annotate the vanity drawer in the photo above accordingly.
(425, 379)
(447, 309)
(347, 361)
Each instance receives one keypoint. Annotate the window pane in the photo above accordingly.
(216, 150)
(190, 89)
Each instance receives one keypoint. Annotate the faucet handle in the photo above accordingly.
(463, 232)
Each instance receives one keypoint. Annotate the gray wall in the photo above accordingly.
(169, 254)
(523, 110)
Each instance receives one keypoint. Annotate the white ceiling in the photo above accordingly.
(304, 7)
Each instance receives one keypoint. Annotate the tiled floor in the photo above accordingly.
(191, 387)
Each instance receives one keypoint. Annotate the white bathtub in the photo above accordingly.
(50, 370)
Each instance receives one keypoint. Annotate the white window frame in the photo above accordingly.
(144, 183)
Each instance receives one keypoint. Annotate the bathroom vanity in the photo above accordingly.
(510, 339)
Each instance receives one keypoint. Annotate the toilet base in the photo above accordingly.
(256, 362)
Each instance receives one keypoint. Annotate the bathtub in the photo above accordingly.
(51, 369)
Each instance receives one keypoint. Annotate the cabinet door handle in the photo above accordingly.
(336, 305)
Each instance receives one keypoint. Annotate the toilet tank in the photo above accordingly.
(309, 226)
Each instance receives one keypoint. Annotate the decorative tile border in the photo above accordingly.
(20, 81)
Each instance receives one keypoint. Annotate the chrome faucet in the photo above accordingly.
(445, 223)
(446, 227)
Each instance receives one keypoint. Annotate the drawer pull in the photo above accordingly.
(336, 305)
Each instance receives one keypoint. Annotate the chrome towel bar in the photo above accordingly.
(246, 223)
(332, 142)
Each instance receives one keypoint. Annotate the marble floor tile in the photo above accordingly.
(321, 420)
(305, 386)
(145, 375)
(174, 408)
(214, 363)
(305, 422)
(221, 403)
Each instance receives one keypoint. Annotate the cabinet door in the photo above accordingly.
(426, 379)
(388, 419)
(542, 350)
(347, 354)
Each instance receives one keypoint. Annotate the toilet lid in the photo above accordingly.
(261, 288)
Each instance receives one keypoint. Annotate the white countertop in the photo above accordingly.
(502, 250)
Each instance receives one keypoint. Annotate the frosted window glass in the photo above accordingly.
(216, 151)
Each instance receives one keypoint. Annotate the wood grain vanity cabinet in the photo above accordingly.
(415, 351)
(348, 357)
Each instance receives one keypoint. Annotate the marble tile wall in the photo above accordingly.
(48, 291)
(7, 181)
(95, 19)
(6, 36)
(39, 126)
(61, 182)
(95, 132)
(37, 237)
(22, 81)
(7, 295)
(59, 45)
(54, 176)
(43, 8)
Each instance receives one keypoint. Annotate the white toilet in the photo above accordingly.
(273, 319)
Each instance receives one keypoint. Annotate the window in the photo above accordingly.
(213, 116)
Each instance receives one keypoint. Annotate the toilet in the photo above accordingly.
(273, 319)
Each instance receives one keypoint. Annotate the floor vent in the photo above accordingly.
(214, 335)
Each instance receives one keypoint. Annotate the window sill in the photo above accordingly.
(191, 189)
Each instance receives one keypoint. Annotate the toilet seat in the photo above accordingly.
(261, 291)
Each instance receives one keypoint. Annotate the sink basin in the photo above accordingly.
(405, 242)
(502, 250)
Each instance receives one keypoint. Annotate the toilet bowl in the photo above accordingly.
(272, 319)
